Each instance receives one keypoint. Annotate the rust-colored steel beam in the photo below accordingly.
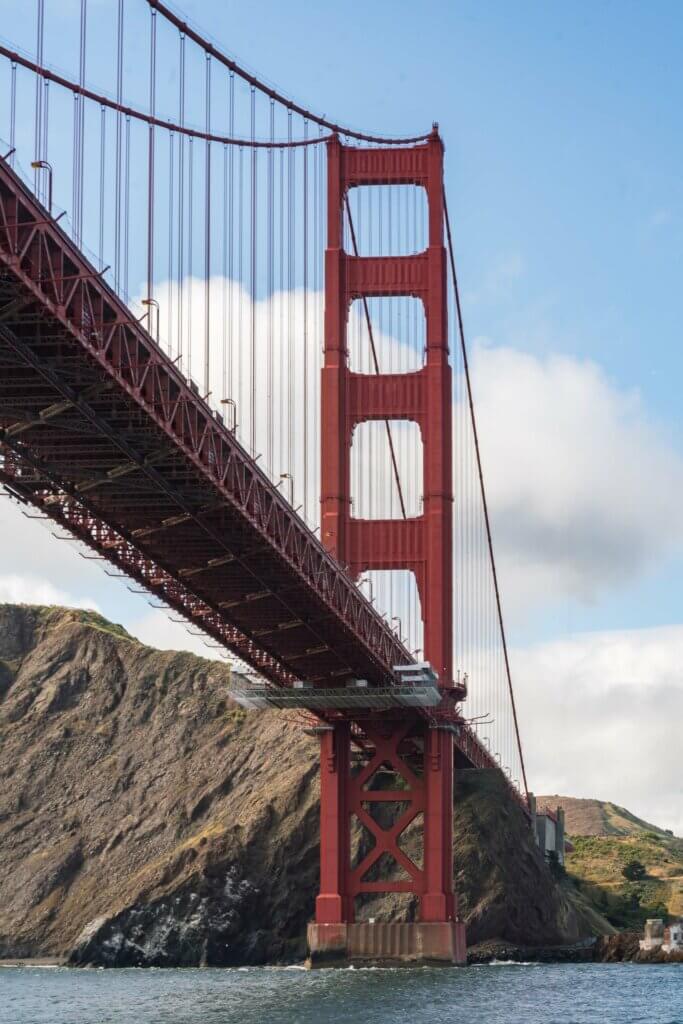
(67, 333)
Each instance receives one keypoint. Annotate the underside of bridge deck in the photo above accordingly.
(100, 431)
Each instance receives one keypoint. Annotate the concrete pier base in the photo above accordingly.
(389, 943)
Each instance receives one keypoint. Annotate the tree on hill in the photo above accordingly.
(634, 871)
(556, 867)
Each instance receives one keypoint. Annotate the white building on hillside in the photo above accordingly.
(549, 830)
(654, 934)
(673, 938)
(668, 938)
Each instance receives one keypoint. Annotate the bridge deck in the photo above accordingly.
(101, 433)
(100, 429)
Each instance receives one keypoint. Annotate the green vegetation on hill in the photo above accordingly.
(607, 838)
(597, 866)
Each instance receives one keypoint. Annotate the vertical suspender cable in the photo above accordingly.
(224, 281)
(46, 118)
(171, 197)
(38, 138)
(281, 324)
(240, 276)
(270, 398)
(150, 160)
(77, 183)
(304, 403)
(229, 389)
(207, 233)
(126, 209)
(119, 143)
(461, 330)
(103, 131)
(181, 197)
(13, 114)
(190, 251)
(290, 299)
(74, 179)
(375, 364)
(78, 209)
(252, 274)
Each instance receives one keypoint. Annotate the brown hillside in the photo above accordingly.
(145, 819)
(597, 817)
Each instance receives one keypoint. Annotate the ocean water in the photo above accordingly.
(491, 994)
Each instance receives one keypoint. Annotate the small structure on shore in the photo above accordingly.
(654, 934)
(668, 938)
(673, 938)
(549, 830)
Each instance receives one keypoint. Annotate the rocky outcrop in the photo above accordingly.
(506, 952)
(626, 947)
(147, 820)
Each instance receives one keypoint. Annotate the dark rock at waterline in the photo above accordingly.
(499, 951)
(214, 926)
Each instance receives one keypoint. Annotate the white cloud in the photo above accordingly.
(37, 568)
(159, 629)
(582, 483)
(602, 716)
(16, 589)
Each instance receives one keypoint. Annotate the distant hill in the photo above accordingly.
(605, 838)
(598, 817)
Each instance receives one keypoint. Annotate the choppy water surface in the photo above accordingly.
(494, 994)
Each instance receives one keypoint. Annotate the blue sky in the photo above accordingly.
(563, 163)
(564, 153)
(563, 168)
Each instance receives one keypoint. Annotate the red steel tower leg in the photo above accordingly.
(331, 905)
(422, 544)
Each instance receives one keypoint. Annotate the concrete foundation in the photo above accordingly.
(421, 942)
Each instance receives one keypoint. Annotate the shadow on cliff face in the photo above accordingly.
(145, 820)
(506, 889)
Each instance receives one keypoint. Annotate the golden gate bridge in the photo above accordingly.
(233, 366)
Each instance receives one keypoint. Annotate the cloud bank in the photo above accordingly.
(601, 717)
(582, 484)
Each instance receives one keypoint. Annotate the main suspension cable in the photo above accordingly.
(139, 115)
(256, 83)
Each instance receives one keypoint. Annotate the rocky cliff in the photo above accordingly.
(145, 819)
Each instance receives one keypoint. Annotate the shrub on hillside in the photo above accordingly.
(634, 871)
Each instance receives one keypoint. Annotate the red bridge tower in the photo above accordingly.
(408, 745)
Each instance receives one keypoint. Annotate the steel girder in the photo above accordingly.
(157, 453)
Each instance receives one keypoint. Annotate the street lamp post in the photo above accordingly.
(288, 476)
(152, 304)
(43, 165)
(233, 405)
(366, 579)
